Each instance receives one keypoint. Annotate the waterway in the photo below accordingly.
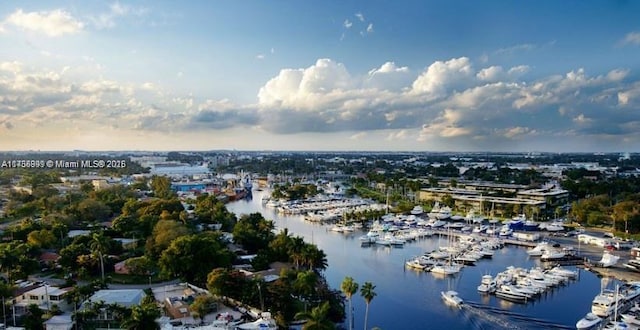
(408, 299)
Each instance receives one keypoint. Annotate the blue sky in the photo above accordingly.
(344, 75)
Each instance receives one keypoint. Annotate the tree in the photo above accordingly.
(253, 232)
(317, 318)
(185, 255)
(41, 238)
(305, 284)
(143, 317)
(202, 305)
(33, 321)
(349, 287)
(164, 232)
(367, 292)
(99, 246)
(161, 186)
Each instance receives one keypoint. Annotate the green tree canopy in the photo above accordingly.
(192, 257)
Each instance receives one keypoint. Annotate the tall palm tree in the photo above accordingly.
(317, 318)
(100, 246)
(366, 291)
(349, 287)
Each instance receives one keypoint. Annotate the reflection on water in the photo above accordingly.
(411, 300)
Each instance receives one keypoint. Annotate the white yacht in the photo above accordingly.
(539, 249)
(415, 264)
(417, 210)
(553, 254)
(487, 284)
(446, 269)
(588, 322)
(509, 292)
(604, 304)
(451, 298)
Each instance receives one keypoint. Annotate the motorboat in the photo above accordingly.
(630, 291)
(451, 298)
(633, 264)
(505, 231)
(554, 226)
(552, 254)
(479, 229)
(446, 269)
(539, 249)
(604, 304)
(608, 259)
(511, 293)
(487, 284)
(417, 210)
(415, 264)
(588, 322)
(531, 226)
(265, 322)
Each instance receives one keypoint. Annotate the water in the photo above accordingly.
(408, 299)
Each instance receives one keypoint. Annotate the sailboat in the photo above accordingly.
(450, 267)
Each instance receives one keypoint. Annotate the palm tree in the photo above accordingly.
(366, 291)
(317, 318)
(100, 246)
(142, 317)
(305, 284)
(349, 287)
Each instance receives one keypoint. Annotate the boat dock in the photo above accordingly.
(507, 241)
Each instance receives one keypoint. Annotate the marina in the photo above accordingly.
(417, 295)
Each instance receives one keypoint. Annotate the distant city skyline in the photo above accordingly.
(495, 76)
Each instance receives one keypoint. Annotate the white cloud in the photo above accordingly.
(398, 135)
(358, 136)
(359, 16)
(370, 28)
(347, 23)
(582, 119)
(518, 70)
(260, 57)
(52, 23)
(388, 77)
(441, 76)
(117, 10)
(13, 66)
(492, 73)
(516, 48)
(304, 88)
(517, 132)
(632, 38)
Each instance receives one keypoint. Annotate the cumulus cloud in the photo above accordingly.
(302, 88)
(389, 77)
(370, 28)
(50, 23)
(441, 77)
(448, 100)
(347, 23)
(631, 38)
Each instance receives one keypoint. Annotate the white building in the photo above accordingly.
(45, 297)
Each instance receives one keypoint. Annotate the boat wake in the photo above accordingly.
(507, 319)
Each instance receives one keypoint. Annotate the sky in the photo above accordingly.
(557, 76)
